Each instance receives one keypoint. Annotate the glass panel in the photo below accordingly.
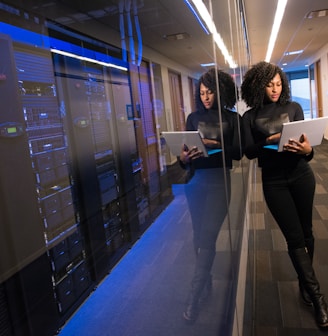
(300, 92)
(313, 91)
(91, 86)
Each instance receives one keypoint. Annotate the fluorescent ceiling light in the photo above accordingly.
(295, 52)
(87, 59)
(207, 64)
(207, 19)
(317, 14)
(275, 27)
(177, 36)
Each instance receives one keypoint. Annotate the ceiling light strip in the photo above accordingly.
(275, 28)
(207, 19)
(87, 59)
(197, 16)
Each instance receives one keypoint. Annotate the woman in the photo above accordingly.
(208, 190)
(287, 178)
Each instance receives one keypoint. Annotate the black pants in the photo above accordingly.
(208, 196)
(289, 195)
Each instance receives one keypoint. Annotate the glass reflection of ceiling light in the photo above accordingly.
(317, 14)
(87, 59)
(197, 16)
(178, 36)
(207, 19)
(207, 64)
(275, 27)
(295, 52)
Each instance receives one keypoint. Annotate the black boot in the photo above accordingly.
(203, 267)
(302, 263)
(309, 243)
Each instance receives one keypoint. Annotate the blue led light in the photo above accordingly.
(197, 17)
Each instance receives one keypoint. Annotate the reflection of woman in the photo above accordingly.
(287, 178)
(206, 193)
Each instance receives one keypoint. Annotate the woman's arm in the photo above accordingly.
(237, 150)
(251, 149)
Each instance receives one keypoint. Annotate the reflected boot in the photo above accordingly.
(303, 266)
(309, 243)
(203, 267)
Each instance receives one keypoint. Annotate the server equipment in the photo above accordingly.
(78, 181)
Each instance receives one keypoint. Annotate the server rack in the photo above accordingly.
(102, 167)
(48, 149)
(23, 249)
(68, 140)
(5, 325)
(105, 160)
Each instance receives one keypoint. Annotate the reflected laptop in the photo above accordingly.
(175, 141)
(314, 129)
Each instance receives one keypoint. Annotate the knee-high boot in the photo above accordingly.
(309, 244)
(208, 285)
(203, 267)
(303, 266)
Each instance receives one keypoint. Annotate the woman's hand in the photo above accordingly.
(273, 139)
(187, 154)
(301, 146)
(211, 143)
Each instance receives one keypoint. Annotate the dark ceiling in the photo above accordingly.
(160, 19)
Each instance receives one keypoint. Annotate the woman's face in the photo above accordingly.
(274, 88)
(207, 96)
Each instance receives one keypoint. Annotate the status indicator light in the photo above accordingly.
(11, 130)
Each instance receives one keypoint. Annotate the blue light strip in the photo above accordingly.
(197, 17)
(24, 36)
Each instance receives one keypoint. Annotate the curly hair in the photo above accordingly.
(255, 81)
(227, 88)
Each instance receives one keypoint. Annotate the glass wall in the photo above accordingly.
(89, 89)
(300, 90)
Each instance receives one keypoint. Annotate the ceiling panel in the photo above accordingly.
(157, 18)
(296, 32)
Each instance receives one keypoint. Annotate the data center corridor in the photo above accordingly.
(145, 293)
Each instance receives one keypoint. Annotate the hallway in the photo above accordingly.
(278, 309)
(145, 293)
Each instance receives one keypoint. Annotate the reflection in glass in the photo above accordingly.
(208, 189)
(114, 79)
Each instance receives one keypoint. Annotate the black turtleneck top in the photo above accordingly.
(208, 123)
(259, 124)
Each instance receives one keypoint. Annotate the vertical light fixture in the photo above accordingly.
(275, 27)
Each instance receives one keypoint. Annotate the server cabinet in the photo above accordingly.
(25, 272)
(19, 215)
(128, 153)
(101, 166)
(5, 321)
(50, 162)
(150, 201)
(71, 181)
(30, 300)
